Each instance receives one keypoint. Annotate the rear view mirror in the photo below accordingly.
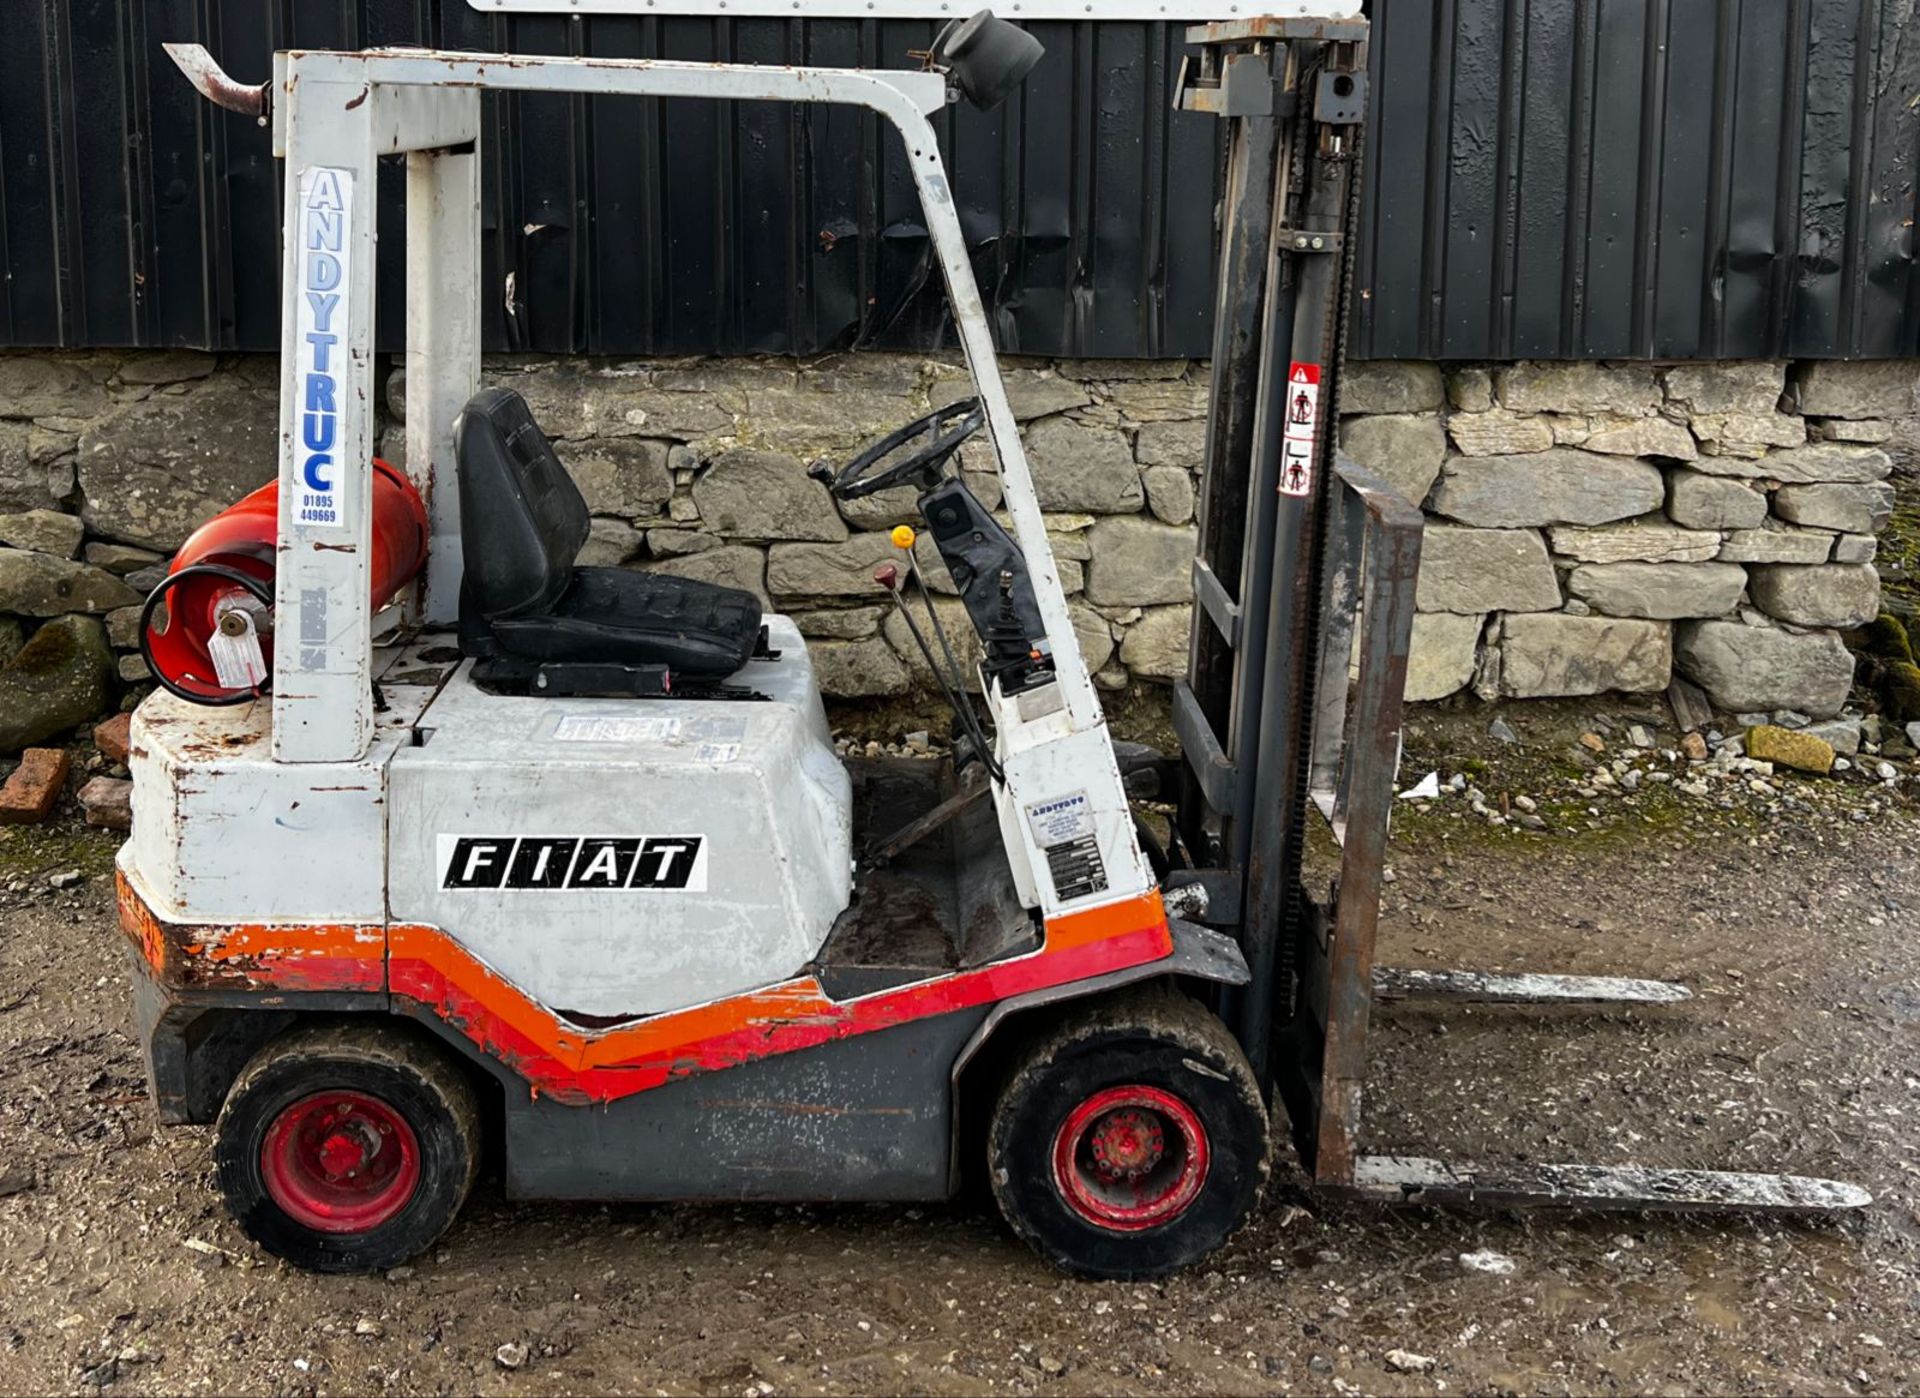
(987, 57)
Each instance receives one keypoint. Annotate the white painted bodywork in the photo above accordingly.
(222, 833)
(760, 782)
(318, 807)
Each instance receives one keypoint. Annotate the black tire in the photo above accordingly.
(399, 1108)
(1122, 1065)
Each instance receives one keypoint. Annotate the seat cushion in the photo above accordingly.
(698, 630)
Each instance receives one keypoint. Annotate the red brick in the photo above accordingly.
(108, 802)
(30, 793)
(112, 737)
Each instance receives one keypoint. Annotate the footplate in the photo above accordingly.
(1413, 1179)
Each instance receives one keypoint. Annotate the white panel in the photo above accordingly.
(758, 783)
(443, 346)
(221, 833)
(1194, 10)
(322, 702)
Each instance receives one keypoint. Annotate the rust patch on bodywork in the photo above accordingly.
(254, 956)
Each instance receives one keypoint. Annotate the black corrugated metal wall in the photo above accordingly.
(1667, 178)
(1551, 178)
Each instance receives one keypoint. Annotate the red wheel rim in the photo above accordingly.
(1130, 1158)
(340, 1162)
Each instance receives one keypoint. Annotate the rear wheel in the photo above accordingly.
(1131, 1140)
(347, 1147)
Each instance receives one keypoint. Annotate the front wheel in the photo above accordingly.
(347, 1147)
(1130, 1141)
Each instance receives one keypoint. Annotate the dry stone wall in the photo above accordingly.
(1601, 527)
(1593, 527)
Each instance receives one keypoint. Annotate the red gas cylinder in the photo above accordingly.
(207, 631)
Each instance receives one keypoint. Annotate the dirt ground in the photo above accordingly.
(119, 1270)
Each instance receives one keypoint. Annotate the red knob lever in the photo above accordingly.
(888, 576)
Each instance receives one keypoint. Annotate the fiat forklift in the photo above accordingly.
(446, 846)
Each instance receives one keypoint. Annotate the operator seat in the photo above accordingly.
(522, 522)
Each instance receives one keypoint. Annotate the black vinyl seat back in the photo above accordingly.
(525, 608)
(522, 519)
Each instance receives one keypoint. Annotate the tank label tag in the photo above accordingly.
(1063, 827)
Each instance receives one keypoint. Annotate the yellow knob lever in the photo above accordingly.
(902, 536)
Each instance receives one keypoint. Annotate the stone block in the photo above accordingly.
(1646, 436)
(1391, 386)
(152, 471)
(1155, 647)
(610, 542)
(1082, 468)
(829, 570)
(62, 677)
(1499, 433)
(1182, 444)
(38, 584)
(132, 669)
(1701, 501)
(1851, 509)
(123, 628)
(732, 565)
(157, 367)
(50, 385)
(33, 788)
(1032, 393)
(841, 623)
(1160, 400)
(1470, 389)
(1444, 651)
(43, 531)
(676, 543)
(1578, 386)
(625, 477)
(1787, 747)
(32, 477)
(1868, 431)
(114, 736)
(1761, 668)
(1403, 449)
(1550, 653)
(1775, 542)
(1863, 388)
(1728, 386)
(1139, 562)
(1835, 594)
(1749, 435)
(120, 559)
(1807, 465)
(1169, 493)
(1121, 370)
(1476, 571)
(1637, 541)
(861, 669)
(747, 494)
(1855, 548)
(883, 509)
(108, 802)
(1659, 591)
(1561, 486)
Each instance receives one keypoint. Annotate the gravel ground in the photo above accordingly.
(119, 1269)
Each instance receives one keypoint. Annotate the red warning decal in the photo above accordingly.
(1303, 424)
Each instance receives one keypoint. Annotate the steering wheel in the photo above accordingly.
(944, 428)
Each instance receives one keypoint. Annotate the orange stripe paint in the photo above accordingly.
(280, 956)
(425, 965)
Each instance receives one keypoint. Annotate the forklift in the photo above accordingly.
(447, 848)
